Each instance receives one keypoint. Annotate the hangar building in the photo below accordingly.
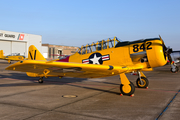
(15, 42)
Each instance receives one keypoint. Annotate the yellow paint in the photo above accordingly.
(32, 74)
(120, 59)
(1, 54)
(11, 58)
(121, 55)
(46, 71)
(124, 79)
(9, 61)
(156, 56)
(126, 88)
(142, 74)
(34, 54)
(144, 83)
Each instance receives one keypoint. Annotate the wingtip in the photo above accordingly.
(12, 67)
(9, 68)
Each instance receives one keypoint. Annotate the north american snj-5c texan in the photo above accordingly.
(101, 59)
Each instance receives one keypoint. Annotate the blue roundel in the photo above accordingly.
(95, 58)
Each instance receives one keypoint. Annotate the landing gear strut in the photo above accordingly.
(174, 69)
(9, 61)
(126, 87)
(40, 80)
(142, 81)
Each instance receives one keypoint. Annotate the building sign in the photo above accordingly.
(21, 37)
(9, 35)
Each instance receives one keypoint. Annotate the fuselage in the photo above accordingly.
(148, 52)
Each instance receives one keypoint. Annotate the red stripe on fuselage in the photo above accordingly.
(105, 57)
(85, 61)
(66, 59)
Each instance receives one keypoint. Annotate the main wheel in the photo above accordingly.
(175, 70)
(127, 89)
(144, 84)
(40, 80)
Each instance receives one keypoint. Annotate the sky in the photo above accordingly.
(78, 22)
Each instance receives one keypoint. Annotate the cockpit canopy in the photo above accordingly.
(14, 54)
(97, 46)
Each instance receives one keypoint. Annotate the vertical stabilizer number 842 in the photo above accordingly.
(142, 47)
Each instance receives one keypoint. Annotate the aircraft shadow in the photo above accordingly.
(50, 81)
(107, 91)
(6, 62)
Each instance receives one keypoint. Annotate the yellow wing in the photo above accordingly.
(54, 69)
(37, 66)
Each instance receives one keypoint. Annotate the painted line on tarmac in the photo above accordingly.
(168, 91)
(53, 82)
(19, 79)
(167, 105)
(64, 83)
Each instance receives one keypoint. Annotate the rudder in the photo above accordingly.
(34, 54)
(1, 54)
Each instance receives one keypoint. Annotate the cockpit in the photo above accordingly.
(97, 46)
(14, 54)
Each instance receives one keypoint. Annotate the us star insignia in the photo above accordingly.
(96, 58)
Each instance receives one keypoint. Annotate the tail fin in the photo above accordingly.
(1, 54)
(34, 54)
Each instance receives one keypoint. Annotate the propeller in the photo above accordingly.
(167, 50)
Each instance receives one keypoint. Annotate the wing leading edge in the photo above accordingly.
(47, 69)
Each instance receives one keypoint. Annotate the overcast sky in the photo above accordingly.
(77, 22)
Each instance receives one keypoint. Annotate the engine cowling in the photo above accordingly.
(156, 55)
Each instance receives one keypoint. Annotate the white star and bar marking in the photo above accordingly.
(95, 59)
(105, 57)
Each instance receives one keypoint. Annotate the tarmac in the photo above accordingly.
(23, 98)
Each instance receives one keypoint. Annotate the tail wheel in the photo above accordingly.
(40, 80)
(144, 83)
(127, 89)
(175, 70)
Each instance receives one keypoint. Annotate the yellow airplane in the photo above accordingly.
(101, 59)
(13, 57)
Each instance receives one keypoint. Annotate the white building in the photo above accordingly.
(15, 42)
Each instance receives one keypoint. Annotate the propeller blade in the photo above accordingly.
(167, 50)
(169, 58)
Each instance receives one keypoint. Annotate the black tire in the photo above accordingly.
(40, 80)
(145, 82)
(176, 70)
(130, 92)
